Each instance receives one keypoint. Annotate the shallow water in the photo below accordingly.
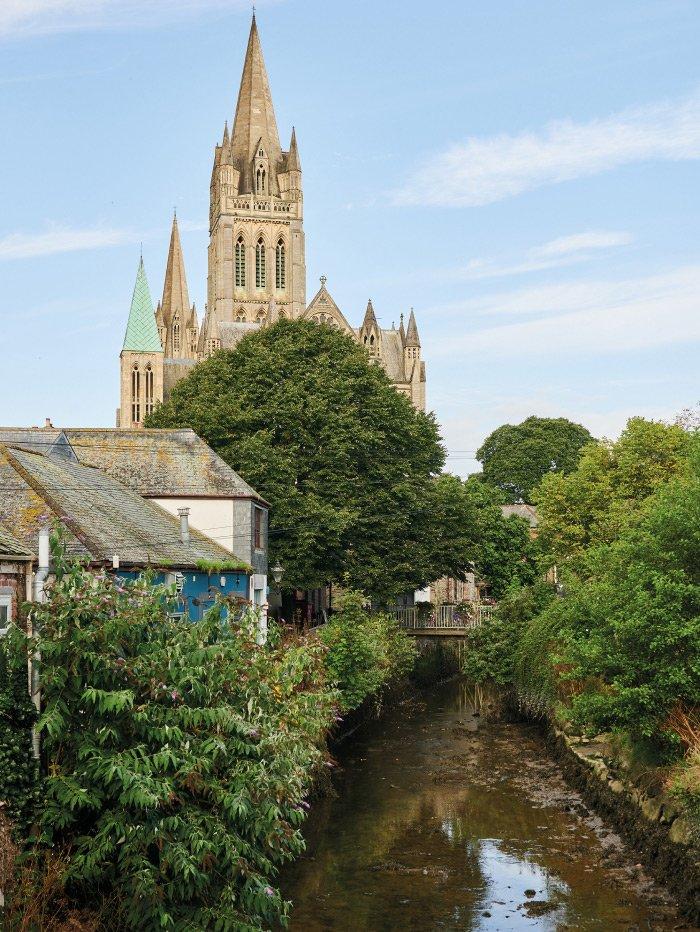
(447, 820)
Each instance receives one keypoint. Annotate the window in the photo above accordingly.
(260, 277)
(136, 395)
(281, 269)
(5, 612)
(258, 528)
(240, 316)
(176, 334)
(240, 263)
(260, 181)
(149, 390)
(261, 316)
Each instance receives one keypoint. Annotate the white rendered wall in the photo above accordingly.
(211, 516)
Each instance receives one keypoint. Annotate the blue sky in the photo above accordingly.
(525, 173)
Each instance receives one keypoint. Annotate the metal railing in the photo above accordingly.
(443, 618)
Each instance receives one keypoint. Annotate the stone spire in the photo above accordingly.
(254, 126)
(141, 330)
(176, 299)
(402, 331)
(370, 318)
(179, 318)
(293, 161)
(412, 338)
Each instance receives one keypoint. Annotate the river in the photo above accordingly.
(447, 819)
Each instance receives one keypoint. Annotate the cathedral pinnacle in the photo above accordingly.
(412, 338)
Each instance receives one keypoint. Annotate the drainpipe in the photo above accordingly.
(184, 524)
(39, 593)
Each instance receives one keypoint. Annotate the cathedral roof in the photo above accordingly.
(324, 309)
(176, 299)
(255, 122)
(392, 357)
(141, 330)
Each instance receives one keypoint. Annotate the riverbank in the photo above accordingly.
(634, 800)
(445, 819)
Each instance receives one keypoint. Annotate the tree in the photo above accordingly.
(346, 462)
(516, 457)
(602, 496)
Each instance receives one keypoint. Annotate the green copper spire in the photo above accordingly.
(142, 331)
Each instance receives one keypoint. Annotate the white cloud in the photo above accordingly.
(484, 170)
(28, 17)
(60, 239)
(558, 253)
(586, 317)
(583, 242)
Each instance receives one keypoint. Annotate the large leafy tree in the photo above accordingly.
(603, 495)
(516, 457)
(346, 462)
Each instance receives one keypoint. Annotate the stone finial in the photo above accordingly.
(323, 281)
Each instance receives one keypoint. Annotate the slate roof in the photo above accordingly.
(141, 330)
(528, 512)
(11, 547)
(155, 463)
(104, 517)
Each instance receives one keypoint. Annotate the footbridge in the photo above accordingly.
(444, 621)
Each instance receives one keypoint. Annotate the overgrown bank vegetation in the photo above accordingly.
(614, 646)
(177, 755)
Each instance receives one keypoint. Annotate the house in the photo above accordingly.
(15, 577)
(526, 512)
(131, 502)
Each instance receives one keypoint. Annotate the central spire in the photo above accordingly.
(176, 299)
(254, 124)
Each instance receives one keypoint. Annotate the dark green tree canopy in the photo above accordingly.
(346, 462)
(516, 457)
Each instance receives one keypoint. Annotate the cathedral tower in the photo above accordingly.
(141, 360)
(256, 249)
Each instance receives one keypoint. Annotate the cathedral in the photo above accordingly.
(256, 268)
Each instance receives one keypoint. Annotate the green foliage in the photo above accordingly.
(631, 628)
(602, 497)
(178, 755)
(344, 459)
(223, 566)
(516, 457)
(474, 531)
(493, 652)
(366, 652)
(19, 773)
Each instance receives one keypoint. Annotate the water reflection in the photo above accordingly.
(445, 820)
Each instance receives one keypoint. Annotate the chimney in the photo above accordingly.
(48, 425)
(184, 524)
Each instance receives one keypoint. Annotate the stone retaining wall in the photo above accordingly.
(649, 819)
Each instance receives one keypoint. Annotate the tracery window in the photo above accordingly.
(261, 316)
(150, 400)
(260, 277)
(135, 394)
(176, 335)
(261, 181)
(240, 316)
(240, 262)
(281, 266)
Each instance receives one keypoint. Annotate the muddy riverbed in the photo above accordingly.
(446, 818)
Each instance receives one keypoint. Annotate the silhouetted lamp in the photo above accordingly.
(277, 572)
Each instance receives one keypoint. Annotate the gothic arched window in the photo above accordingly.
(260, 277)
(261, 316)
(240, 262)
(136, 394)
(240, 316)
(260, 181)
(281, 265)
(150, 400)
(177, 342)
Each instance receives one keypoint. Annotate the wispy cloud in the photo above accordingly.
(564, 251)
(30, 17)
(584, 317)
(484, 170)
(60, 239)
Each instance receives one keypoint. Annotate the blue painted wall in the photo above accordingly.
(200, 588)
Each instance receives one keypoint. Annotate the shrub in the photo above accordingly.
(19, 772)
(178, 753)
(366, 651)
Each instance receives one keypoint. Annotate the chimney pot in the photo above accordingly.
(48, 423)
(184, 514)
